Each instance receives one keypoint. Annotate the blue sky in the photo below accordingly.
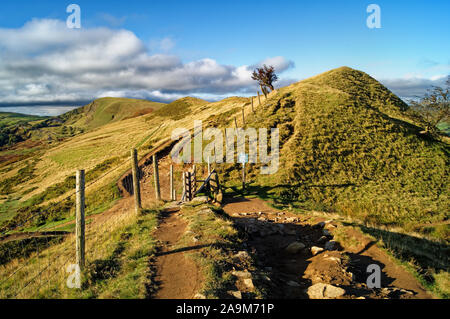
(408, 53)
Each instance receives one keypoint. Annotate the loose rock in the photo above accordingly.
(249, 283)
(295, 247)
(315, 250)
(236, 294)
(324, 291)
(242, 274)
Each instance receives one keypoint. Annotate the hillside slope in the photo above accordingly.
(343, 148)
(106, 110)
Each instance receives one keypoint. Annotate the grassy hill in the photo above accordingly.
(344, 148)
(101, 144)
(10, 119)
(180, 108)
(12, 126)
(347, 147)
(107, 110)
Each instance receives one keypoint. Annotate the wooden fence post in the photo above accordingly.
(156, 177)
(259, 99)
(80, 223)
(194, 179)
(235, 122)
(243, 117)
(189, 187)
(172, 196)
(184, 194)
(209, 165)
(243, 176)
(136, 186)
(253, 110)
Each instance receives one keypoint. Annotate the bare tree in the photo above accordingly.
(266, 77)
(434, 107)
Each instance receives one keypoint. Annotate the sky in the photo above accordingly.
(164, 50)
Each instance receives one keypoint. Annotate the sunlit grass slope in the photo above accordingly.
(343, 148)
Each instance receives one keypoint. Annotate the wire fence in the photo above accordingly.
(35, 264)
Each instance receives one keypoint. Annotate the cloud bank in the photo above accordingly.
(44, 62)
(413, 87)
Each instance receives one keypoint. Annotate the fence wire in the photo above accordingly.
(32, 263)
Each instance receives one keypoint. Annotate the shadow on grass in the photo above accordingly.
(426, 254)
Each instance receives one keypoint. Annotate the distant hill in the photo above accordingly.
(180, 108)
(13, 126)
(9, 119)
(344, 147)
(106, 110)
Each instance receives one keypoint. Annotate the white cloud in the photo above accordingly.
(279, 63)
(412, 86)
(45, 62)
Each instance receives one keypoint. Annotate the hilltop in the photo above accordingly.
(346, 148)
(107, 110)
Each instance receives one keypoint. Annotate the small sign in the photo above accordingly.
(243, 158)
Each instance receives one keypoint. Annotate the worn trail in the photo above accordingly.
(270, 232)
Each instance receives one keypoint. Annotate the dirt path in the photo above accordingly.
(177, 276)
(271, 231)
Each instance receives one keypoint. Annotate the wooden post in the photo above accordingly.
(80, 224)
(243, 118)
(172, 197)
(156, 177)
(243, 176)
(194, 180)
(259, 99)
(235, 122)
(136, 186)
(184, 194)
(189, 187)
(253, 110)
(209, 165)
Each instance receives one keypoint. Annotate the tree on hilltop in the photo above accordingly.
(266, 77)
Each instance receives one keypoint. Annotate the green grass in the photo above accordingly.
(343, 149)
(11, 119)
(445, 128)
(118, 253)
(107, 110)
(179, 108)
(96, 202)
(125, 273)
(7, 186)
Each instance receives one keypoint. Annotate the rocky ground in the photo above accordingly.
(298, 257)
